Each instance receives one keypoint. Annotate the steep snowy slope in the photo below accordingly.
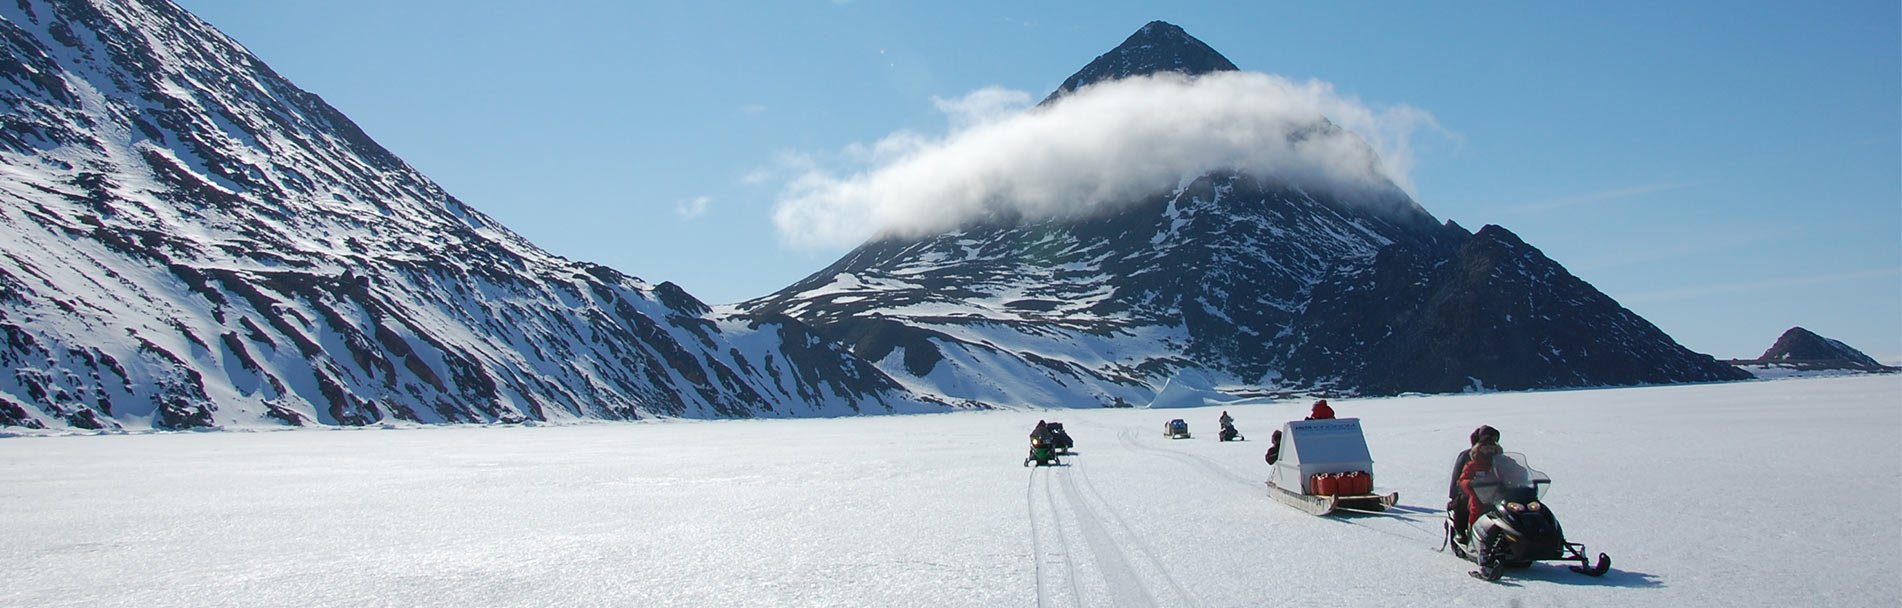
(1088, 312)
(1265, 281)
(190, 240)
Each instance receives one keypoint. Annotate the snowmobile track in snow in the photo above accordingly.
(1196, 461)
(1060, 580)
(1087, 555)
(1401, 523)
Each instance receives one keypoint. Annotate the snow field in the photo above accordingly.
(1757, 493)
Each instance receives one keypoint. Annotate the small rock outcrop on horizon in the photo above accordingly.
(189, 240)
(1800, 349)
(1255, 283)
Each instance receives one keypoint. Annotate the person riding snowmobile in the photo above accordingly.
(1482, 462)
(1228, 433)
(1455, 497)
(1509, 524)
(1042, 445)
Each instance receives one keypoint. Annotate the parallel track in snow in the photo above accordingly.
(1086, 553)
(1200, 463)
(1049, 545)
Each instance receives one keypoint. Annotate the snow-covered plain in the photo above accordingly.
(1773, 493)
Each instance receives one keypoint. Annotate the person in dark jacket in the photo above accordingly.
(1043, 437)
(1482, 461)
(1274, 447)
(1455, 498)
(1321, 411)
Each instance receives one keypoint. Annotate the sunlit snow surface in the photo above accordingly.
(1777, 493)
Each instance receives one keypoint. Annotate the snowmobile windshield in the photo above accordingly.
(1510, 480)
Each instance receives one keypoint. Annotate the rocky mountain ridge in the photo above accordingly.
(1800, 349)
(192, 241)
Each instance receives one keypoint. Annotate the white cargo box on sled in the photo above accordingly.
(1322, 447)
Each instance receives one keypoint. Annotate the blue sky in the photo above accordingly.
(1725, 169)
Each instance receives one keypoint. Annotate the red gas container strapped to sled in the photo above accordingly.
(1325, 484)
(1357, 483)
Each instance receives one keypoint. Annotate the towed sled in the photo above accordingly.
(1060, 440)
(1516, 528)
(1323, 466)
(1176, 429)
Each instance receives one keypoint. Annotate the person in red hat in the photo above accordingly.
(1321, 411)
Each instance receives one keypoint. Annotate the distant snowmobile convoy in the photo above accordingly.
(1323, 465)
(1516, 528)
(1176, 429)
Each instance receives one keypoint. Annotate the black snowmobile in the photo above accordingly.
(1060, 440)
(1230, 434)
(1516, 528)
(1043, 453)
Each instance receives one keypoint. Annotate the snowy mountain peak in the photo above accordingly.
(1251, 281)
(1157, 47)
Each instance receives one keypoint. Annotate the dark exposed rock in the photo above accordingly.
(1157, 47)
(1495, 314)
(1802, 349)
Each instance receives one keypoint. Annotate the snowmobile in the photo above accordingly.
(1230, 434)
(1516, 528)
(1042, 453)
(1176, 429)
(1059, 439)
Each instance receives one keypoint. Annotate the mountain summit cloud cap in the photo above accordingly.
(1156, 113)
